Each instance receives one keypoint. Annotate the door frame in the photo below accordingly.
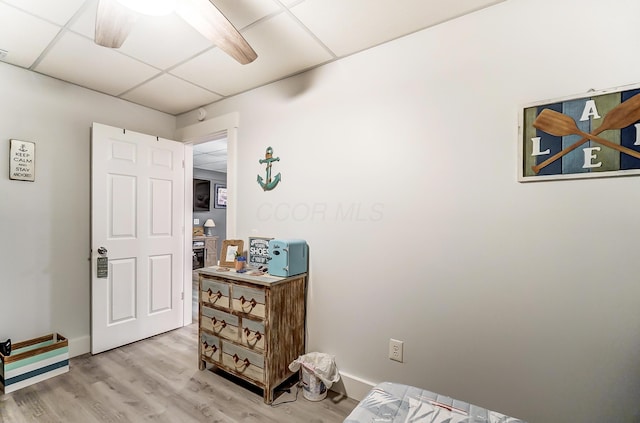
(191, 135)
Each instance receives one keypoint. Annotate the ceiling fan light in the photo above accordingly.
(150, 7)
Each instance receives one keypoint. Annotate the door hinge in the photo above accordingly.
(182, 295)
(183, 164)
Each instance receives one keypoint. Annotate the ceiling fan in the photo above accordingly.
(115, 18)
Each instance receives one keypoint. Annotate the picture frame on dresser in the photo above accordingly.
(230, 247)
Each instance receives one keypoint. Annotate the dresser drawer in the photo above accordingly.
(220, 323)
(210, 347)
(252, 334)
(243, 361)
(215, 293)
(249, 300)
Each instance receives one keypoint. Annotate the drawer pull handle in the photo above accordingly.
(218, 295)
(247, 305)
(206, 346)
(218, 325)
(251, 338)
(240, 363)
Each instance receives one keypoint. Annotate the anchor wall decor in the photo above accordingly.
(268, 184)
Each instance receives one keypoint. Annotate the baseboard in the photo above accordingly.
(352, 386)
(79, 346)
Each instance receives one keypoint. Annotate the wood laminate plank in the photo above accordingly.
(157, 380)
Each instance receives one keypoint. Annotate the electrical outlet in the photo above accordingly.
(395, 350)
(196, 221)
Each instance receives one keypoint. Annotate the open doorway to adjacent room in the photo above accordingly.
(209, 174)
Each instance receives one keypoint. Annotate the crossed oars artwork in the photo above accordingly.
(557, 124)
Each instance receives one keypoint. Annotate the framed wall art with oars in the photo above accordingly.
(592, 136)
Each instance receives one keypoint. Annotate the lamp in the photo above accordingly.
(208, 225)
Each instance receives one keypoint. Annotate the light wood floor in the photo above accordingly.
(157, 380)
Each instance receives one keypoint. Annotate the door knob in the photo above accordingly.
(102, 251)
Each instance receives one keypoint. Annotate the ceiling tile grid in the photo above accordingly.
(165, 64)
(75, 59)
(283, 49)
(58, 12)
(211, 156)
(23, 36)
(170, 94)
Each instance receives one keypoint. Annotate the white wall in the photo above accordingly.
(519, 297)
(44, 225)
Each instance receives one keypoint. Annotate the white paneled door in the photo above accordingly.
(137, 206)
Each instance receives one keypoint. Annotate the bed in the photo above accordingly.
(396, 403)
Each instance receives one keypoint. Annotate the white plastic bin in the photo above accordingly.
(312, 387)
(319, 373)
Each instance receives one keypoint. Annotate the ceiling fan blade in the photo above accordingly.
(205, 17)
(113, 23)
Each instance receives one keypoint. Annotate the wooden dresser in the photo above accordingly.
(251, 326)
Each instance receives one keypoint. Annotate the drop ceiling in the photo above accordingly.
(166, 65)
(211, 155)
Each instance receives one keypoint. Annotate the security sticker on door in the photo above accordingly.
(102, 264)
(103, 267)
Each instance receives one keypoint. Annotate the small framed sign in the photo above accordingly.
(258, 251)
(22, 160)
(220, 197)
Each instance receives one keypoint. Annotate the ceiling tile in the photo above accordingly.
(245, 12)
(214, 167)
(76, 59)
(171, 95)
(164, 41)
(85, 24)
(23, 36)
(58, 11)
(282, 46)
(200, 159)
(219, 146)
(160, 41)
(290, 3)
(345, 29)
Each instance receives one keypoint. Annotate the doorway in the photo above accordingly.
(210, 166)
(219, 127)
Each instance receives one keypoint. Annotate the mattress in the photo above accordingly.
(397, 403)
